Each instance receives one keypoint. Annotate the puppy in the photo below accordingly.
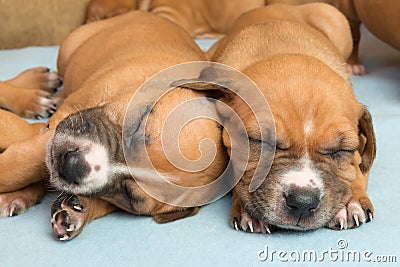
(102, 65)
(201, 18)
(325, 143)
(30, 94)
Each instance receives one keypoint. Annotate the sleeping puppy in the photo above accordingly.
(325, 143)
(85, 156)
(30, 94)
(201, 18)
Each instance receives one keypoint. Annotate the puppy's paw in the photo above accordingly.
(247, 224)
(40, 78)
(353, 215)
(17, 202)
(356, 69)
(33, 104)
(12, 204)
(68, 217)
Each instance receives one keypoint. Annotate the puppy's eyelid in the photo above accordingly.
(282, 145)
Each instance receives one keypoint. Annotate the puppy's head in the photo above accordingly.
(85, 152)
(324, 139)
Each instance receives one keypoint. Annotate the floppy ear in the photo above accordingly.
(367, 147)
(211, 81)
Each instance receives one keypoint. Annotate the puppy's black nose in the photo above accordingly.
(301, 202)
(73, 167)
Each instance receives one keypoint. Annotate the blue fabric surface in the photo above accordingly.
(207, 239)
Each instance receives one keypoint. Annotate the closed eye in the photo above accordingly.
(335, 154)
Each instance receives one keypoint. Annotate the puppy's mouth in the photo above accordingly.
(295, 209)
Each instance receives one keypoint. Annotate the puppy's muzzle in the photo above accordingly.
(301, 202)
(73, 166)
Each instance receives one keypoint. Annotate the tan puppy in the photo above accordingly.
(201, 18)
(85, 154)
(325, 142)
(30, 94)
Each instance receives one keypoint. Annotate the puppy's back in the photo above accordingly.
(317, 30)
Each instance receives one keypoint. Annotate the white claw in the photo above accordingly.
(236, 225)
(71, 228)
(65, 237)
(77, 207)
(11, 212)
(251, 226)
(356, 220)
(371, 217)
(341, 223)
(267, 228)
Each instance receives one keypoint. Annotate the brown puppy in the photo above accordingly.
(85, 154)
(201, 18)
(325, 142)
(30, 93)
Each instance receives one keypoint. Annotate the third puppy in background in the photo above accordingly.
(201, 18)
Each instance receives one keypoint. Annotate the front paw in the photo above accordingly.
(353, 215)
(248, 224)
(12, 205)
(68, 217)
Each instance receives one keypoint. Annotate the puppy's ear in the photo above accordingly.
(210, 80)
(367, 147)
(175, 215)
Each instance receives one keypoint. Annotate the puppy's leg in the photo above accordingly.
(22, 163)
(14, 129)
(358, 210)
(70, 213)
(22, 170)
(15, 203)
(347, 8)
(241, 220)
(37, 78)
(353, 64)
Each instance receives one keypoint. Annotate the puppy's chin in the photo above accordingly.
(269, 204)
